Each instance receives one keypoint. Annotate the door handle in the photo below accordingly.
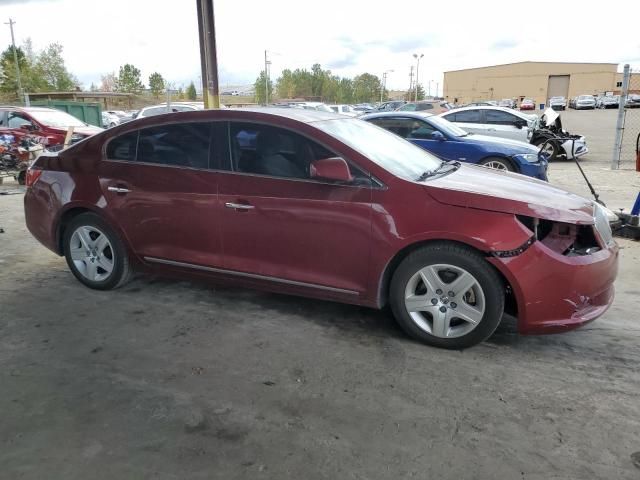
(118, 189)
(239, 206)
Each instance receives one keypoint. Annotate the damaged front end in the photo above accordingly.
(565, 271)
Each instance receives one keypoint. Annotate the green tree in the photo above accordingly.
(411, 94)
(191, 91)
(286, 84)
(366, 88)
(345, 91)
(8, 79)
(260, 90)
(156, 84)
(128, 80)
(50, 68)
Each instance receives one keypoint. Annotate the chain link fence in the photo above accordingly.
(628, 125)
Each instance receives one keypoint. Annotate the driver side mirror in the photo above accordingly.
(522, 124)
(437, 136)
(334, 168)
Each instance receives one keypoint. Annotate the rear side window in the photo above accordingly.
(185, 145)
(123, 147)
(424, 106)
(467, 116)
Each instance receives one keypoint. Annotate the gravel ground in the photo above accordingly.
(173, 380)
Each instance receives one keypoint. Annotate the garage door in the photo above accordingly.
(558, 86)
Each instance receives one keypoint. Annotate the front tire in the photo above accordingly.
(447, 295)
(95, 254)
(498, 164)
(550, 148)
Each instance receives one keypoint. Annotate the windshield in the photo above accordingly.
(386, 149)
(447, 127)
(56, 118)
(585, 97)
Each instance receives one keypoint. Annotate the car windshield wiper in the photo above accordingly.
(445, 167)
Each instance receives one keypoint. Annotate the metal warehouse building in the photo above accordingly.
(536, 80)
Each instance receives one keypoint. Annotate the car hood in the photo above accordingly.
(516, 145)
(88, 130)
(487, 189)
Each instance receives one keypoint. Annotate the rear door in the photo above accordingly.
(282, 226)
(505, 125)
(158, 184)
(470, 120)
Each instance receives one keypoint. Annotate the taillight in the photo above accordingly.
(33, 175)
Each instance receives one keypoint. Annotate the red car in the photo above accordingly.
(47, 126)
(527, 104)
(325, 206)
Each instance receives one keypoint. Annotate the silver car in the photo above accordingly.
(608, 101)
(508, 123)
(558, 103)
(583, 102)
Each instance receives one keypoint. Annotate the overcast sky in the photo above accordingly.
(347, 36)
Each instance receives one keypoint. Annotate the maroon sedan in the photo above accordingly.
(325, 206)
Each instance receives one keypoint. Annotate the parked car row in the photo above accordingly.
(322, 205)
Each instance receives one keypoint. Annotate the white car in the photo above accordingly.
(583, 102)
(345, 110)
(558, 103)
(494, 121)
(110, 119)
(173, 107)
(507, 123)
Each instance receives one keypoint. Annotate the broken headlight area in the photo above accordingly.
(563, 238)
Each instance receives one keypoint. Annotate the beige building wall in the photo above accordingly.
(527, 79)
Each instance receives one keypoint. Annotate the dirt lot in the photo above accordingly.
(172, 380)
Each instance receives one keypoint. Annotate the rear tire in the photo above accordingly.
(498, 164)
(435, 284)
(95, 254)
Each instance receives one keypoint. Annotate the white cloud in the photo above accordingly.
(350, 37)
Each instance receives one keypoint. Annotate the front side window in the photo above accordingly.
(266, 150)
(406, 127)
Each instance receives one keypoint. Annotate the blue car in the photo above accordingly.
(449, 142)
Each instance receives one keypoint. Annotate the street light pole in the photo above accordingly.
(415, 55)
(15, 59)
(384, 83)
(266, 79)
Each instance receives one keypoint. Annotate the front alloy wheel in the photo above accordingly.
(444, 300)
(447, 295)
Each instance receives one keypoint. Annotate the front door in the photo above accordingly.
(281, 225)
(159, 188)
(505, 125)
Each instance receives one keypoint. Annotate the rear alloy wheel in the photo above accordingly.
(447, 295)
(95, 254)
(497, 163)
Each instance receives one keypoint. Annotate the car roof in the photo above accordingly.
(418, 115)
(484, 107)
(28, 109)
(296, 114)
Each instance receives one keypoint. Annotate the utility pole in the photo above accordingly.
(15, 59)
(415, 55)
(617, 146)
(410, 83)
(266, 79)
(437, 88)
(208, 53)
(384, 83)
